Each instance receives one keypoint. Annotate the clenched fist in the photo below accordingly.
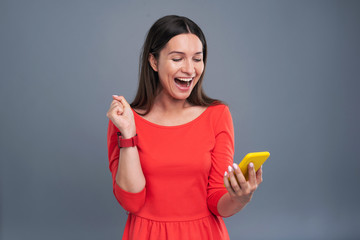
(122, 116)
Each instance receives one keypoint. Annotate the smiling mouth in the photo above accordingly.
(183, 82)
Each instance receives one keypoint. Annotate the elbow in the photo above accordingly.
(213, 201)
(213, 207)
(130, 201)
(132, 188)
(130, 185)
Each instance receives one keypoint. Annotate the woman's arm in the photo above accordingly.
(227, 201)
(129, 175)
(222, 156)
(239, 190)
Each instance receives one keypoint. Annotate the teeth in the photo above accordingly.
(188, 84)
(185, 79)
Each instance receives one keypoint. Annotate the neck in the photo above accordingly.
(166, 103)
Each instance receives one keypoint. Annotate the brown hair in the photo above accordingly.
(159, 34)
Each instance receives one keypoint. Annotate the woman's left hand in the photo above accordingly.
(239, 189)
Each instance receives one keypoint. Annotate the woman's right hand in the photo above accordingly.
(122, 116)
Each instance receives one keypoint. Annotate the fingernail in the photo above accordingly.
(251, 165)
(230, 169)
(225, 174)
(114, 95)
(235, 166)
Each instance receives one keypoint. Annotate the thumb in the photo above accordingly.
(123, 101)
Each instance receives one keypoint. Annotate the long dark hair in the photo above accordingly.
(159, 34)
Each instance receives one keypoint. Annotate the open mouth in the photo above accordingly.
(184, 82)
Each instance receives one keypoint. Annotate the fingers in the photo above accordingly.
(259, 177)
(236, 184)
(116, 103)
(240, 177)
(117, 107)
(116, 97)
(251, 172)
(233, 181)
(121, 99)
(125, 106)
(227, 184)
(238, 181)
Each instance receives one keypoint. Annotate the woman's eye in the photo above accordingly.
(197, 59)
(176, 59)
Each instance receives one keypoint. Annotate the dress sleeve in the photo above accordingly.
(131, 202)
(222, 156)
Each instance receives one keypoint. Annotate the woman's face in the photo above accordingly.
(179, 65)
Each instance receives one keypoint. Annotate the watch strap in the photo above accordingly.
(129, 142)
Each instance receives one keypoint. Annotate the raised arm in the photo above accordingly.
(128, 178)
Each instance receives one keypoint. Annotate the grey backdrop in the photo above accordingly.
(289, 71)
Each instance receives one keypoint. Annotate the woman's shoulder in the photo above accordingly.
(218, 112)
(219, 108)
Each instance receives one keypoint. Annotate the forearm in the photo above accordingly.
(129, 174)
(228, 207)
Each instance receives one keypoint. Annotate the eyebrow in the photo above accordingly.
(177, 52)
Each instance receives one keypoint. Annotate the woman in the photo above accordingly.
(171, 150)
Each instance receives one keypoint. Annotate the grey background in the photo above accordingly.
(289, 71)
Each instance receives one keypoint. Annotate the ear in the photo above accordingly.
(153, 62)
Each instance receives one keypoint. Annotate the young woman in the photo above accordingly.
(171, 150)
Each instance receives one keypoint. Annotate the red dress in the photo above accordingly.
(183, 167)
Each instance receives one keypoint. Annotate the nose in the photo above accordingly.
(188, 67)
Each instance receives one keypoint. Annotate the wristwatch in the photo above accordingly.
(129, 142)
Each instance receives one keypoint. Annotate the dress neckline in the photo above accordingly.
(173, 126)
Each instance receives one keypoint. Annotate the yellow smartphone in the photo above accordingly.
(257, 158)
